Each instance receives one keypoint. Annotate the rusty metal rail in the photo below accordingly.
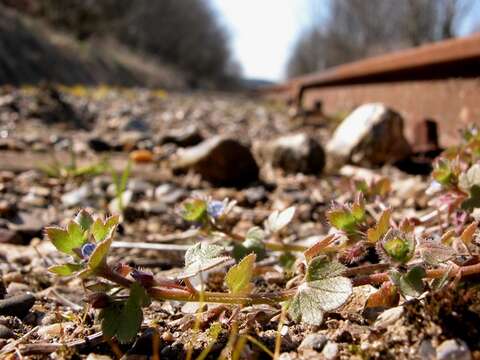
(439, 81)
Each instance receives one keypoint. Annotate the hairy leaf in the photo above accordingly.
(100, 253)
(201, 257)
(434, 253)
(67, 240)
(473, 200)
(322, 267)
(84, 219)
(194, 210)
(65, 269)
(278, 220)
(101, 230)
(314, 298)
(411, 283)
(468, 233)
(239, 276)
(342, 219)
(253, 244)
(385, 297)
(375, 234)
(124, 319)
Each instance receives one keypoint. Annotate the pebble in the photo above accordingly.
(18, 305)
(53, 330)
(388, 317)
(313, 341)
(330, 351)
(77, 196)
(16, 288)
(93, 356)
(6, 333)
(453, 349)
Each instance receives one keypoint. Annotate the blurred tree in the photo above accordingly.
(185, 33)
(356, 29)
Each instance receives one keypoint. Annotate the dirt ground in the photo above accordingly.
(40, 136)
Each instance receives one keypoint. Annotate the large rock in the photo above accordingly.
(370, 136)
(294, 153)
(220, 160)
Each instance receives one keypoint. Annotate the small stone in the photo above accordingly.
(93, 356)
(330, 351)
(9, 237)
(15, 288)
(53, 330)
(136, 124)
(6, 333)
(313, 341)
(99, 145)
(77, 196)
(389, 317)
(295, 153)
(18, 305)
(453, 349)
(219, 160)
(141, 156)
(426, 351)
(370, 136)
(189, 136)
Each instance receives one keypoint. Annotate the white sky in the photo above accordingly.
(262, 33)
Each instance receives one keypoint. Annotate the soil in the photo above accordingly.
(61, 325)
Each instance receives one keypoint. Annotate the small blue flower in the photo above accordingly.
(87, 249)
(215, 208)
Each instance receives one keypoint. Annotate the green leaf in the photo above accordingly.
(101, 230)
(100, 253)
(442, 172)
(84, 219)
(65, 269)
(253, 244)
(201, 257)
(194, 210)
(124, 319)
(322, 268)
(358, 209)
(278, 220)
(411, 283)
(473, 201)
(67, 240)
(397, 246)
(324, 290)
(435, 253)
(239, 276)
(342, 219)
(287, 260)
(314, 298)
(470, 178)
(376, 233)
(110, 317)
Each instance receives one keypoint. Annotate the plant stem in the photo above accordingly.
(380, 278)
(184, 294)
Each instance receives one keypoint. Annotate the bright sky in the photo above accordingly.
(262, 33)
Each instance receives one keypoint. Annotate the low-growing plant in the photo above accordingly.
(409, 261)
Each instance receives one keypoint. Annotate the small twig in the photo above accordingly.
(11, 347)
(149, 246)
(64, 301)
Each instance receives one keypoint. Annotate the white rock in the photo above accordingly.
(453, 349)
(389, 317)
(330, 351)
(372, 135)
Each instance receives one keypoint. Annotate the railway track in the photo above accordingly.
(432, 84)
